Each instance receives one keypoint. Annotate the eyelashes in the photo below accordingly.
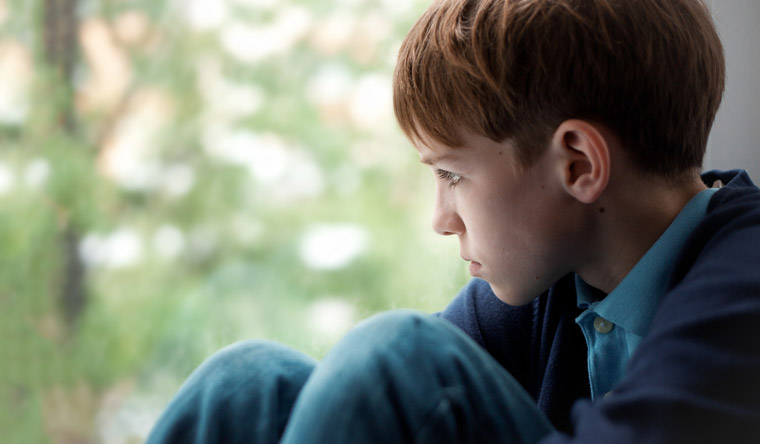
(448, 176)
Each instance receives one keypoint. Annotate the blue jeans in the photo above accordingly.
(397, 377)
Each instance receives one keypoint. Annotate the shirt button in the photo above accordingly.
(602, 325)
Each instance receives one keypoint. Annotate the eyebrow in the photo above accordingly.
(435, 159)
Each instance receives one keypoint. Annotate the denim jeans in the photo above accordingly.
(397, 377)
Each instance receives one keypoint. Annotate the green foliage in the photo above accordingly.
(199, 189)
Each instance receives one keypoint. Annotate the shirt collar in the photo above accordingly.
(633, 302)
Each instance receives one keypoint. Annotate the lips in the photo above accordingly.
(475, 266)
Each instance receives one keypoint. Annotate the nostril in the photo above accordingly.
(448, 225)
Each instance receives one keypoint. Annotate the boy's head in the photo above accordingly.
(651, 71)
(565, 134)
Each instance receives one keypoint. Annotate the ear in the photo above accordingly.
(583, 154)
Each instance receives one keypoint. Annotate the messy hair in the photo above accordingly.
(653, 71)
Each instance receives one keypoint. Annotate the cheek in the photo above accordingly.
(524, 228)
(486, 214)
(501, 231)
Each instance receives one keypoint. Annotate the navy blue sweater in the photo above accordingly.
(696, 375)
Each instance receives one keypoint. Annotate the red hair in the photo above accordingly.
(653, 71)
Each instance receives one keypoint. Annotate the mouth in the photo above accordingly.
(475, 268)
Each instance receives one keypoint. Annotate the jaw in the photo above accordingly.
(517, 296)
(543, 260)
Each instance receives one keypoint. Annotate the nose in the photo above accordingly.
(446, 219)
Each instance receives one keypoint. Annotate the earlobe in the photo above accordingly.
(584, 159)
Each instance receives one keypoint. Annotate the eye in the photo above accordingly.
(448, 176)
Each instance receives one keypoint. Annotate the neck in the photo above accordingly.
(636, 213)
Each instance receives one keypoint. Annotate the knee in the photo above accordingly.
(390, 349)
(241, 355)
(401, 325)
(246, 388)
(252, 360)
(398, 334)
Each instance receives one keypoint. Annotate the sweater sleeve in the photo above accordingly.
(696, 376)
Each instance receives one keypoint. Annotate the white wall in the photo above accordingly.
(735, 139)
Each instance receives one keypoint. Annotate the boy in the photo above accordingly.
(619, 296)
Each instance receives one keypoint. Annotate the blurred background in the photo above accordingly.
(178, 175)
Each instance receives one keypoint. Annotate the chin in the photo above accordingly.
(513, 295)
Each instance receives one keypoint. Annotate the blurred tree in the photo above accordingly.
(179, 175)
(60, 30)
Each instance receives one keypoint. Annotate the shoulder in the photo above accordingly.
(726, 244)
(694, 376)
(739, 195)
(714, 289)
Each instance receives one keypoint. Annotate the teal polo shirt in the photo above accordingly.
(615, 324)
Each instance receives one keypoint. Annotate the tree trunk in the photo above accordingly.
(60, 28)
